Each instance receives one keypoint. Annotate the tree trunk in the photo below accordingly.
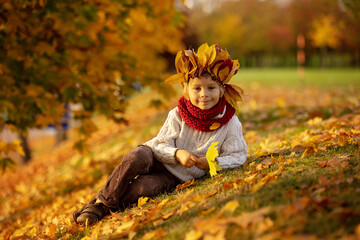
(25, 146)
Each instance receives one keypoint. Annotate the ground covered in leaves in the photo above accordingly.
(301, 180)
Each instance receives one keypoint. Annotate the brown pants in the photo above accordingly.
(138, 175)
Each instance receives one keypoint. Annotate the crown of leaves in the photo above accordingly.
(215, 61)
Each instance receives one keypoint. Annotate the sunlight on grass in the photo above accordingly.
(289, 77)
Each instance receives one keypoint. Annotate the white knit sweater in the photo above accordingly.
(176, 134)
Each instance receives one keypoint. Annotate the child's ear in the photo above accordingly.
(186, 94)
(185, 88)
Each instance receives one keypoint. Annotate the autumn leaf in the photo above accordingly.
(185, 184)
(157, 234)
(335, 163)
(211, 155)
(230, 206)
(142, 201)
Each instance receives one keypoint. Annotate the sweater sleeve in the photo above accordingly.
(163, 145)
(233, 151)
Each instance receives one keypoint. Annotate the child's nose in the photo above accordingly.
(204, 93)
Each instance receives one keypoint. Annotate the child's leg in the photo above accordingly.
(122, 188)
(160, 180)
(139, 161)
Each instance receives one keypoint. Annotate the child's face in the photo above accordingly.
(204, 92)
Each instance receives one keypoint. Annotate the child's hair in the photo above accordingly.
(185, 85)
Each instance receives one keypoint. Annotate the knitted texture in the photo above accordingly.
(204, 120)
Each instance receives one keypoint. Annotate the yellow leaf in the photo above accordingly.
(163, 202)
(202, 54)
(142, 201)
(33, 231)
(211, 155)
(230, 206)
(167, 215)
(177, 78)
(193, 235)
(156, 234)
(126, 226)
(206, 212)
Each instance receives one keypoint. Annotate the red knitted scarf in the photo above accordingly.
(203, 120)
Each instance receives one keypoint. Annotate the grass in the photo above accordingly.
(289, 77)
(319, 220)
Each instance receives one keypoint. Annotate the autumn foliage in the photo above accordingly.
(54, 53)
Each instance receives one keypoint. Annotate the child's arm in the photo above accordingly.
(163, 145)
(233, 150)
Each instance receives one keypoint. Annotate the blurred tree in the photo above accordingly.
(352, 30)
(237, 26)
(85, 52)
(326, 32)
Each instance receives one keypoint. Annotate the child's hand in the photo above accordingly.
(201, 162)
(186, 158)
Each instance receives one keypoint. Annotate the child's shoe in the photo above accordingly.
(93, 212)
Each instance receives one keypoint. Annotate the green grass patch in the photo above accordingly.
(329, 78)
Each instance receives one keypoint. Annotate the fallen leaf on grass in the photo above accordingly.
(142, 201)
(229, 185)
(335, 163)
(264, 226)
(250, 218)
(114, 214)
(268, 178)
(206, 212)
(168, 215)
(163, 202)
(157, 234)
(126, 228)
(185, 185)
(152, 213)
(215, 227)
(212, 193)
(230, 207)
(266, 161)
(193, 235)
(251, 179)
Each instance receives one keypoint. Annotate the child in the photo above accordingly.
(205, 114)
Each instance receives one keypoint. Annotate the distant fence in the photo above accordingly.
(330, 60)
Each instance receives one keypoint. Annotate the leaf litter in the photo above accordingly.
(37, 200)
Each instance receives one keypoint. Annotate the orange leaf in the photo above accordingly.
(215, 126)
(154, 235)
(186, 184)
